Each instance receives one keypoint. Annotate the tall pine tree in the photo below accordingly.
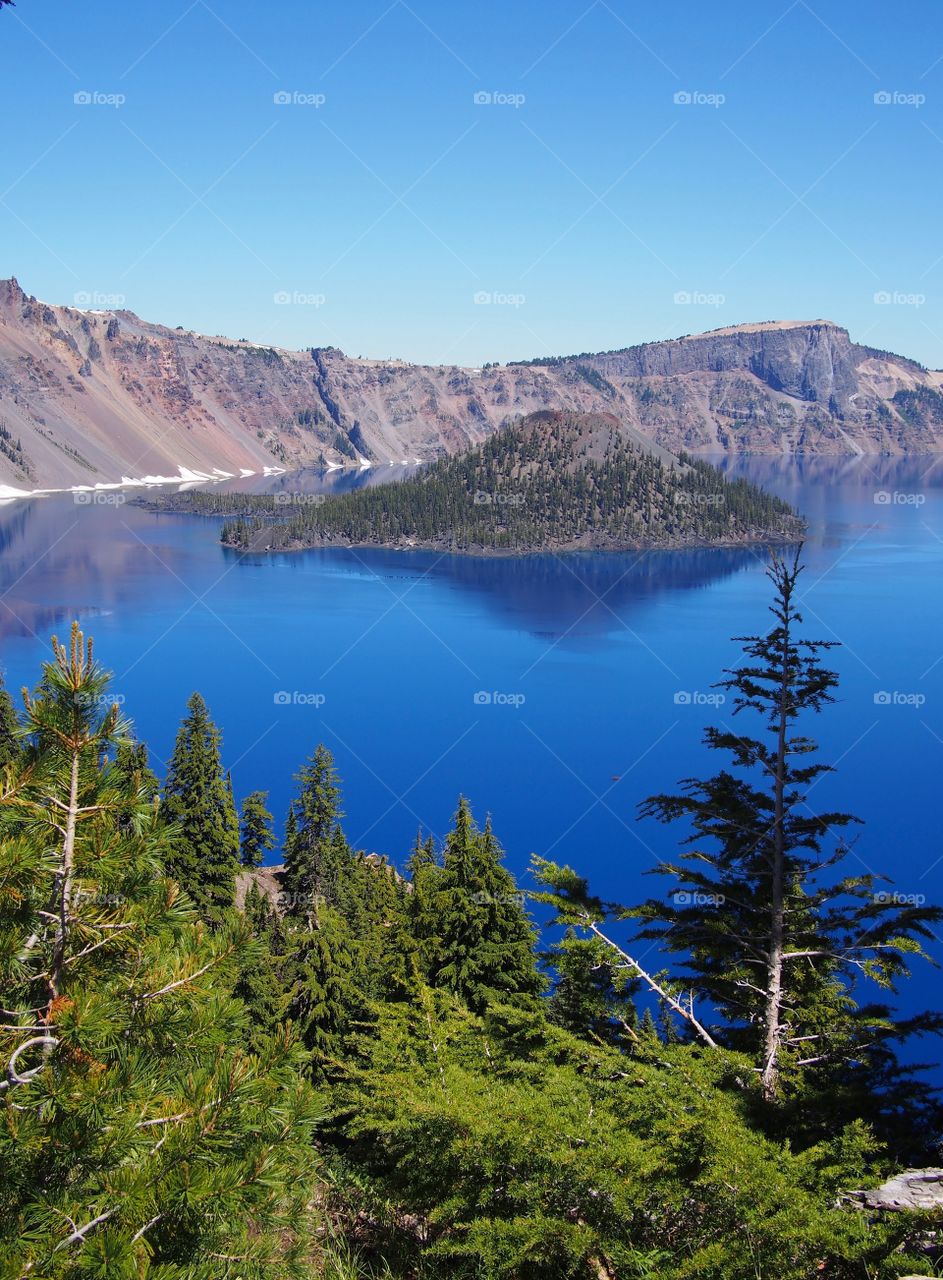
(204, 851)
(256, 836)
(314, 855)
(471, 925)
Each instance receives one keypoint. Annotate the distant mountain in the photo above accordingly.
(553, 481)
(89, 397)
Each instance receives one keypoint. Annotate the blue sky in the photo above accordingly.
(639, 171)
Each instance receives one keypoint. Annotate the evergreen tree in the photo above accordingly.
(256, 836)
(139, 1138)
(9, 742)
(261, 985)
(204, 849)
(473, 927)
(323, 999)
(314, 854)
(590, 997)
(770, 938)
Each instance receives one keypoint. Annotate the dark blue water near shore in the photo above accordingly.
(595, 667)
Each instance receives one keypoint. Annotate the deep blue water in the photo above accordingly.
(586, 653)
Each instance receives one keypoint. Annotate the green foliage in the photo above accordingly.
(256, 836)
(204, 849)
(469, 919)
(137, 1138)
(516, 1150)
(314, 847)
(9, 744)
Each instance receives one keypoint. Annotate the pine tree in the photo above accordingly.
(204, 852)
(256, 836)
(141, 1139)
(473, 927)
(590, 997)
(320, 974)
(261, 986)
(9, 724)
(314, 857)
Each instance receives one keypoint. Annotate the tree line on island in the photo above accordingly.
(334, 1067)
(550, 481)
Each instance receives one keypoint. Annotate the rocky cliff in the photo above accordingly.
(90, 397)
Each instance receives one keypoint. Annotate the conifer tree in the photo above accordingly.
(261, 986)
(204, 851)
(775, 942)
(314, 853)
(320, 974)
(256, 836)
(9, 743)
(591, 997)
(473, 925)
(141, 1140)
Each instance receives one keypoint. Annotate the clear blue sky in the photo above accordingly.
(582, 211)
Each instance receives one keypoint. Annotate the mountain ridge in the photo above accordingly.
(92, 397)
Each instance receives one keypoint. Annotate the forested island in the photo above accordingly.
(346, 1066)
(549, 482)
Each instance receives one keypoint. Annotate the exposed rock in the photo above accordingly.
(913, 1191)
(163, 398)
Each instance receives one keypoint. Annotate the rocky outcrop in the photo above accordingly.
(92, 396)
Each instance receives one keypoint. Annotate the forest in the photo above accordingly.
(229, 1054)
(551, 481)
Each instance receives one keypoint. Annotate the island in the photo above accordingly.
(551, 481)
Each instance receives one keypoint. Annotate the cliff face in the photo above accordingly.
(90, 397)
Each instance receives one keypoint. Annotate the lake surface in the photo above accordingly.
(556, 692)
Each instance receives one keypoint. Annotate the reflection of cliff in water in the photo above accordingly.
(577, 593)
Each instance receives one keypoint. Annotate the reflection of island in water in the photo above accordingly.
(61, 559)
